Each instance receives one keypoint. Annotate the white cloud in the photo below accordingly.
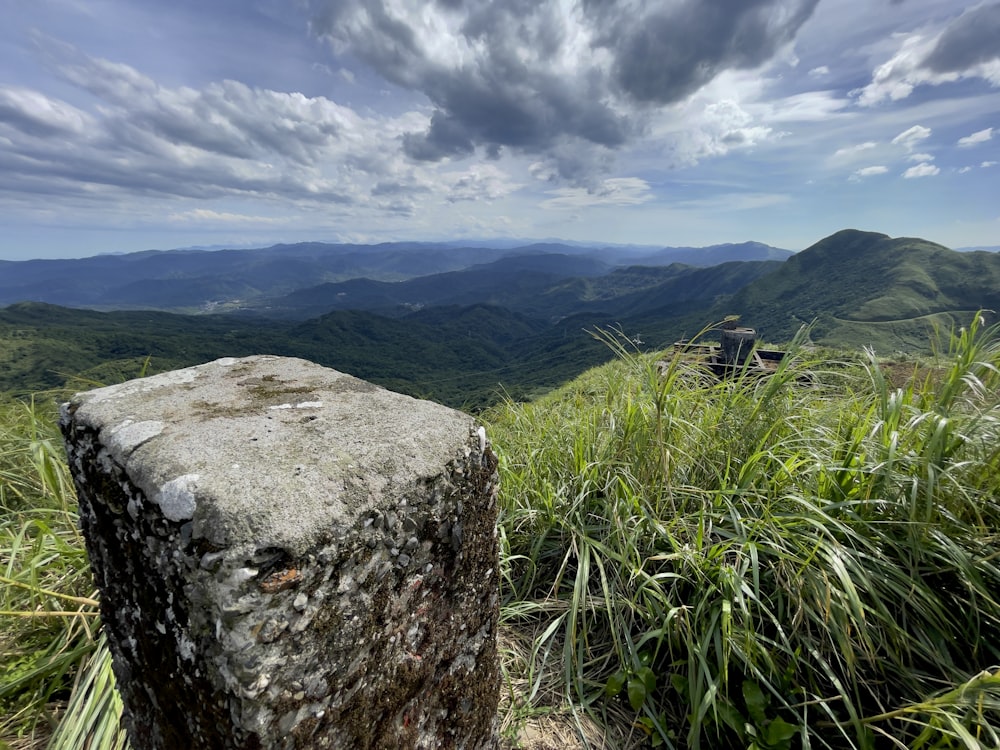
(961, 49)
(733, 126)
(896, 78)
(910, 137)
(810, 106)
(616, 191)
(708, 125)
(820, 72)
(986, 164)
(920, 157)
(963, 170)
(204, 215)
(727, 202)
(852, 151)
(869, 171)
(34, 113)
(225, 140)
(980, 136)
(921, 170)
(480, 182)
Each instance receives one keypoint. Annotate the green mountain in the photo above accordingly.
(460, 356)
(866, 288)
(507, 282)
(548, 287)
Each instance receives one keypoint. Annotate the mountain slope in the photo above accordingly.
(459, 356)
(712, 255)
(506, 282)
(868, 288)
(167, 279)
(548, 287)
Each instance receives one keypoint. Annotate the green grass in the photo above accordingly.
(810, 560)
(55, 672)
(764, 564)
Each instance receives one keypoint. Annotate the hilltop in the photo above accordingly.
(866, 288)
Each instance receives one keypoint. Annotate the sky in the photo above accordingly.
(128, 125)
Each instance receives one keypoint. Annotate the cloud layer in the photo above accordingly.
(364, 119)
(967, 47)
(539, 75)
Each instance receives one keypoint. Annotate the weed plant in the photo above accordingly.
(807, 560)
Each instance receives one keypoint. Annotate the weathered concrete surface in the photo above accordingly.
(289, 557)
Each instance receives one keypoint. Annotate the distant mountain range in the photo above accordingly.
(193, 280)
(465, 324)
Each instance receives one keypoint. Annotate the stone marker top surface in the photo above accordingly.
(268, 451)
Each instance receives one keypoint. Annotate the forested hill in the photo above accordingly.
(868, 288)
(523, 324)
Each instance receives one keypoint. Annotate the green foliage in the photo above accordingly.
(463, 357)
(48, 613)
(764, 564)
(855, 288)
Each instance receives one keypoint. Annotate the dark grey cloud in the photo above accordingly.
(525, 75)
(973, 38)
(528, 111)
(387, 188)
(671, 52)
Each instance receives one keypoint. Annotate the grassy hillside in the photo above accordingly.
(767, 564)
(804, 561)
(865, 288)
(527, 330)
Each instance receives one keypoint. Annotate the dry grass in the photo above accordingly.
(535, 715)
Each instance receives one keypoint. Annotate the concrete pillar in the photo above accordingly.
(737, 343)
(290, 557)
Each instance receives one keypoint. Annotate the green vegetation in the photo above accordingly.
(763, 564)
(868, 289)
(517, 327)
(54, 667)
(808, 560)
(464, 357)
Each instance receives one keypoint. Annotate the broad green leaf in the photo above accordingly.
(648, 678)
(615, 684)
(636, 693)
(757, 702)
(778, 733)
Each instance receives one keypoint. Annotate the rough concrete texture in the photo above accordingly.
(290, 557)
